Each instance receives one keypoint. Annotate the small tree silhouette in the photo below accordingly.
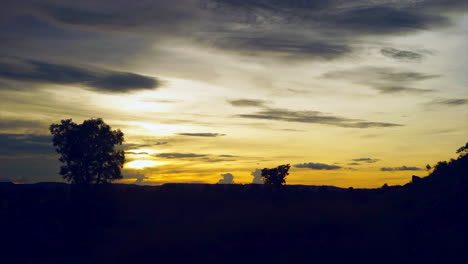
(87, 151)
(276, 176)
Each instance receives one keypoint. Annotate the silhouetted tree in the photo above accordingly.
(463, 150)
(276, 176)
(87, 151)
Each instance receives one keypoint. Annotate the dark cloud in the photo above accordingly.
(297, 29)
(383, 19)
(247, 103)
(163, 16)
(25, 145)
(201, 134)
(228, 178)
(368, 160)
(99, 80)
(77, 16)
(354, 164)
(313, 117)
(277, 5)
(402, 55)
(317, 166)
(402, 168)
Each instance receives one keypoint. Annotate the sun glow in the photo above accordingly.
(141, 164)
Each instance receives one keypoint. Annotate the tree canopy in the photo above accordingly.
(276, 176)
(88, 151)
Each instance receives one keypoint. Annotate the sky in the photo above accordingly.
(350, 93)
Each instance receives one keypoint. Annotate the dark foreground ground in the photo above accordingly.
(422, 222)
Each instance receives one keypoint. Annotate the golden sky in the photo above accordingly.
(350, 94)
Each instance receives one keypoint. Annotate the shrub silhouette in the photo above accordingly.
(276, 176)
(88, 152)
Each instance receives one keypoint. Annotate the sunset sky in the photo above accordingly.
(350, 93)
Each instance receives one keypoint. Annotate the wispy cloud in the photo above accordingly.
(247, 103)
(449, 102)
(313, 117)
(195, 157)
(368, 160)
(201, 134)
(175, 155)
(384, 79)
(402, 55)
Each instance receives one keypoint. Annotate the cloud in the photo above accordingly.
(201, 134)
(28, 158)
(450, 102)
(402, 168)
(136, 153)
(364, 74)
(195, 157)
(30, 169)
(175, 155)
(402, 55)
(317, 166)
(97, 79)
(401, 89)
(368, 160)
(126, 16)
(380, 20)
(354, 163)
(132, 146)
(78, 16)
(247, 103)
(293, 29)
(12, 124)
(25, 145)
(257, 176)
(384, 79)
(281, 46)
(228, 178)
(313, 117)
